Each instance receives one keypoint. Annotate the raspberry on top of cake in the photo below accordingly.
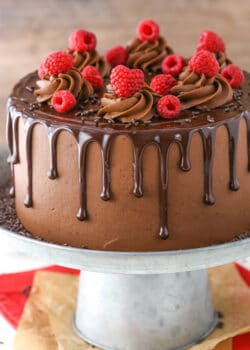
(146, 80)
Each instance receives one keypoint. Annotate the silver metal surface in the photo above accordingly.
(149, 312)
(4, 168)
(123, 262)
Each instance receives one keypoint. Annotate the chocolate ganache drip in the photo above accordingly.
(137, 107)
(196, 90)
(147, 56)
(162, 135)
(71, 80)
(86, 58)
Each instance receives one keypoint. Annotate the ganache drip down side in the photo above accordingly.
(161, 138)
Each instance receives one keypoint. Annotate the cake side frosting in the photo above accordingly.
(163, 135)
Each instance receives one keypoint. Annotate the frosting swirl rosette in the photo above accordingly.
(212, 42)
(130, 98)
(147, 55)
(222, 59)
(72, 80)
(148, 49)
(196, 90)
(84, 59)
(82, 47)
(137, 107)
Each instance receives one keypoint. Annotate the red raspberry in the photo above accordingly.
(210, 41)
(168, 106)
(162, 83)
(148, 30)
(173, 64)
(116, 55)
(92, 74)
(57, 62)
(80, 40)
(234, 75)
(204, 62)
(41, 72)
(63, 101)
(126, 82)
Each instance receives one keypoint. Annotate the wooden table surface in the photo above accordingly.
(31, 29)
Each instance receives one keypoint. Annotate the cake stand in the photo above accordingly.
(137, 301)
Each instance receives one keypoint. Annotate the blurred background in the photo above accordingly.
(30, 29)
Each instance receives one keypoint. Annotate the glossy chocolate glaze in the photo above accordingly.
(161, 133)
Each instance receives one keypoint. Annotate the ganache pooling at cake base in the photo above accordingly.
(143, 126)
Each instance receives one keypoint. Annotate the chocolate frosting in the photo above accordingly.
(195, 90)
(147, 56)
(137, 107)
(71, 80)
(222, 59)
(86, 58)
(162, 134)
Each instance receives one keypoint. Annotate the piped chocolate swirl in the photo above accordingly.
(81, 60)
(71, 80)
(196, 90)
(137, 107)
(147, 55)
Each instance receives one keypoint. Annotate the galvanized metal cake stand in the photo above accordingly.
(138, 301)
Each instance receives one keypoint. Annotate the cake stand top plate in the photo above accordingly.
(122, 262)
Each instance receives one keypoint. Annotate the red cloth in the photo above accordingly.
(241, 342)
(14, 291)
(245, 274)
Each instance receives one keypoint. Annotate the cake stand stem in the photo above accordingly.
(150, 312)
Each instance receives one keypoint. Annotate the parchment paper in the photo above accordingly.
(46, 323)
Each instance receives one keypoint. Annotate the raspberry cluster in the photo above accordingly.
(63, 101)
(92, 74)
(148, 30)
(210, 41)
(173, 64)
(168, 106)
(80, 41)
(55, 63)
(234, 75)
(116, 55)
(204, 62)
(127, 81)
(162, 83)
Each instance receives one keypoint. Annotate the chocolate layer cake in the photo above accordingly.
(126, 167)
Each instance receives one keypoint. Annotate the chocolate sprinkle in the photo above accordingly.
(194, 116)
(241, 236)
(220, 325)
(30, 88)
(210, 119)
(220, 314)
(8, 218)
(195, 112)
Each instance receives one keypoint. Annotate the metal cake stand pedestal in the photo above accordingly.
(134, 301)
